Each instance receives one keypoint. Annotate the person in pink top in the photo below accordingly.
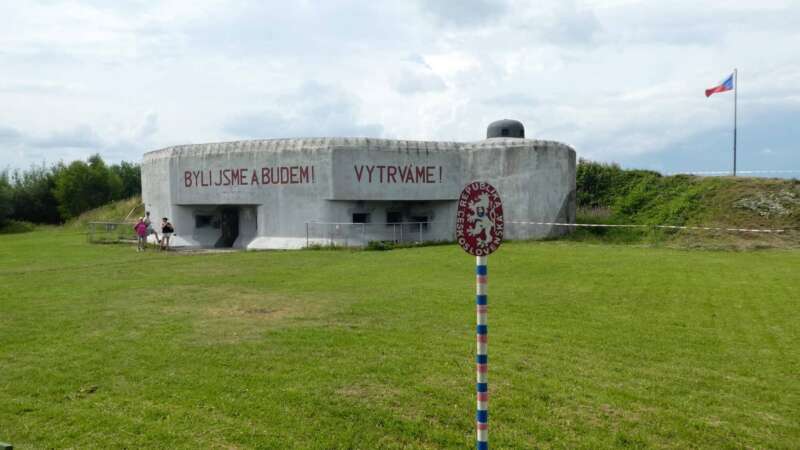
(141, 234)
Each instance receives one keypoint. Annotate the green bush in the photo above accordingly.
(380, 245)
(82, 186)
(15, 226)
(6, 199)
(33, 196)
(131, 177)
(599, 185)
(55, 194)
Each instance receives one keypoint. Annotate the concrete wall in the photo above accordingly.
(280, 185)
(536, 183)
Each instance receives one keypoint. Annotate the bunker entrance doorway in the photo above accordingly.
(229, 227)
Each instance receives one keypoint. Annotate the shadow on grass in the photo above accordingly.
(16, 227)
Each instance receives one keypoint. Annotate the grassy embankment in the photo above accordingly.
(607, 194)
(121, 216)
(113, 212)
(591, 347)
(131, 208)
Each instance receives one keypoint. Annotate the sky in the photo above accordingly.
(618, 80)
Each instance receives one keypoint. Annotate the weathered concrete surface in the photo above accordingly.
(280, 185)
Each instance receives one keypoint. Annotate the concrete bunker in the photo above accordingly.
(290, 193)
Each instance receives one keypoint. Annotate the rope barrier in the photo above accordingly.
(728, 172)
(673, 227)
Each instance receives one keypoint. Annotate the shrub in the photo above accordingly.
(6, 199)
(33, 196)
(82, 186)
(15, 226)
(131, 177)
(599, 185)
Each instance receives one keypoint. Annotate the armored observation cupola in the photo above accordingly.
(506, 128)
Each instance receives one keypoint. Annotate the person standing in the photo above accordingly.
(166, 232)
(141, 235)
(150, 229)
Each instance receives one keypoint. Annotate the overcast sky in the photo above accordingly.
(619, 80)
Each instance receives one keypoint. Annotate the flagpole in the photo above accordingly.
(735, 108)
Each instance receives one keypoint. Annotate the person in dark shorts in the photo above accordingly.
(166, 232)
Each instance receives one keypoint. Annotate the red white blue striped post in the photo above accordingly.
(479, 232)
(482, 356)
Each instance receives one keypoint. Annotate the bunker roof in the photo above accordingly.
(367, 144)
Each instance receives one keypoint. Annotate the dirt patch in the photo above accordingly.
(248, 312)
(227, 314)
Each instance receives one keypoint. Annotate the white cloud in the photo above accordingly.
(313, 110)
(413, 82)
(418, 77)
(464, 13)
(619, 80)
(81, 136)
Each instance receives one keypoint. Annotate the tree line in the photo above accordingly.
(55, 194)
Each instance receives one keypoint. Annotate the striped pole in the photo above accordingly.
(482, 357)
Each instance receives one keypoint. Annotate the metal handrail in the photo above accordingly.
(369, 223)
(93, 226)
(399, 229)
(117, 222)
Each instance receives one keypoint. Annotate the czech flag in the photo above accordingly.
(725, 86)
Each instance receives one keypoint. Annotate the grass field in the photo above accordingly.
(591, 346)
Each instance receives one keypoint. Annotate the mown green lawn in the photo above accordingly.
(591, 346)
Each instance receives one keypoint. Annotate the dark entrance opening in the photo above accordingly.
(229, 227)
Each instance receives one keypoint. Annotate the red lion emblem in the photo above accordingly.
(479, 221)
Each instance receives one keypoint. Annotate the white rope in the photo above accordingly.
(674, 227)
(728, 172)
